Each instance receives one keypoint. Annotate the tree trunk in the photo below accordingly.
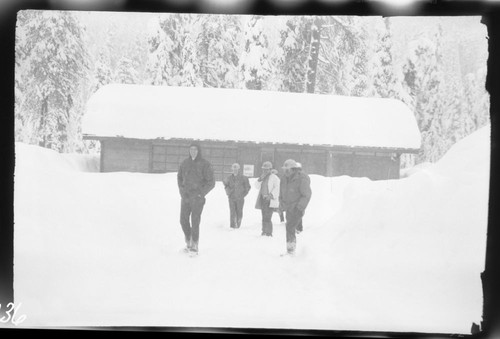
(41, 127)
(313, 55)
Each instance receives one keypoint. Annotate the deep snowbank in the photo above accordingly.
(43, 159)
(399, 255)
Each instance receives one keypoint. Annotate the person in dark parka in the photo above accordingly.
(295, 194)
(237, 187)
(195, 179)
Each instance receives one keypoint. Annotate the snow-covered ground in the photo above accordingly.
(97, 249)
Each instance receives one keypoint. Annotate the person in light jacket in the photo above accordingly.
(268, 185)
(237, 187)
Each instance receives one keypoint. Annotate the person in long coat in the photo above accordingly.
(195, 179)
(237, 187)
(268, 185)
(295, 194)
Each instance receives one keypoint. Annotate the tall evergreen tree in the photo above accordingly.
(385, 81)
(312, 60)
(127, 72)
(172, 47)
(476, 98)
(342, 58)
(254, 62)
(294, 43)
(219, 45)
(102, 72)
(52, 58)
(423, 78)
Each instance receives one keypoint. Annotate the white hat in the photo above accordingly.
(267, 165)
(290, 163)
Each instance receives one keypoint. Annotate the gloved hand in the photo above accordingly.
(299, 212)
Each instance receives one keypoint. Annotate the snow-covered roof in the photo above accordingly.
(150, 112)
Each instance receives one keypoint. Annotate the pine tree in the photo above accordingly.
(254, 62)
(126, 72)
(342, 57)
(53, 61)
(172, 46)
(313, 57)
(476, 97)
(292, 70)
(423, 78)
(102, 72)
(385, 81)
(219, 44)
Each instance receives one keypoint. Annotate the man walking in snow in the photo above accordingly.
(195, 179)
(295, 194)
(237, 187)
(268, 185)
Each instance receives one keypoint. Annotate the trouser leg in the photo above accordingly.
(232, 213)
(239, 211)
(267, 214)
(292, 220)
(184, 220)
(196, 209)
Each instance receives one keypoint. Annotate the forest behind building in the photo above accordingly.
(436, 65)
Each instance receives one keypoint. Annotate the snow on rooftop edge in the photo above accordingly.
(150, 112)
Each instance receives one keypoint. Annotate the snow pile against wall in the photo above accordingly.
(29, 156)
(400, 255)
(427, 230)
(149, 112)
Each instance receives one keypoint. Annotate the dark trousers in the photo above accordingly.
(282, 215)
(293, 218)
(236, 212)
(267, 214)
(191, 207)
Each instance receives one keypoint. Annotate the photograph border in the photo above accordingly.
(488, 9)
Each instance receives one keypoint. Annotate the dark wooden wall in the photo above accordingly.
(161, 156)
(128, 155)
(380, 166)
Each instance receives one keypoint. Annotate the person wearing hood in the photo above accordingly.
(268, 185)
(195, 179)
(237, 187)
(294, 197)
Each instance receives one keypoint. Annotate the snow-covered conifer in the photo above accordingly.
(52, 62)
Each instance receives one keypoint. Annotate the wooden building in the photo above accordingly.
(149, 128)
